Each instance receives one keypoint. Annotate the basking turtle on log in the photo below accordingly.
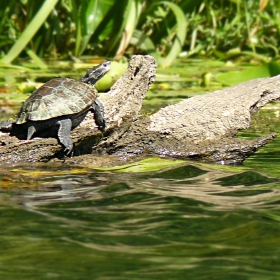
(59, 106)
(202, 127)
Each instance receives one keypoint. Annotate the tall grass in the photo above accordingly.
(72, 28)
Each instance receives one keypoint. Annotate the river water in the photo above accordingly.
(191, 221)
(152, 219)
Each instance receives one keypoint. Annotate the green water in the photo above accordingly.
(157, 219)
(192, 221)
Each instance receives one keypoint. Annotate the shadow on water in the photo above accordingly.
(189, 222)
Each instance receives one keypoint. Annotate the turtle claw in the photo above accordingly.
(69, 151)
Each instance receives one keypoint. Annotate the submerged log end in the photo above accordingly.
(236, 150)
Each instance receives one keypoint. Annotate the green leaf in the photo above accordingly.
(92, 14)
(262, 71)
(110, 29)
(131, 18)
(181, 31)
(38, 61)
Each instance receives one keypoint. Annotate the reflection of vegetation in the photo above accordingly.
(71, 28)
(249, 178)
(183, 172)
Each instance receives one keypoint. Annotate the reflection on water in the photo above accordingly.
(189, 222)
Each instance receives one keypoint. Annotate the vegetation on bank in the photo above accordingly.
(69, 29)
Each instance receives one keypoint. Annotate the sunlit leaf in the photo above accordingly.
(262, 71)
(111, 27)
(131, 19)
(263, 4)
(92, 13)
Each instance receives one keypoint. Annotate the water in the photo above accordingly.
(153, 219)
(192, 221)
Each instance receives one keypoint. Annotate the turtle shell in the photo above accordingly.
(57, 97)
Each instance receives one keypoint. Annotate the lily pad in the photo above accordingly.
(262, 71)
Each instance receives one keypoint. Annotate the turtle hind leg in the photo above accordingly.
(30, 131)
(98, 110)
(64, 135)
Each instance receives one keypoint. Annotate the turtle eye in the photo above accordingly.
(107, 63)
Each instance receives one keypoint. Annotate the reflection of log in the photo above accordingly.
(202, 127)
(197, 183)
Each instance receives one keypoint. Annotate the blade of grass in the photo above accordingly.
(38, 61)
(180, 33)
(73, 10)
(30, 31)
(131, 19)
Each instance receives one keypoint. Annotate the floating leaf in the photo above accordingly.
(146, 165)
(262, 71)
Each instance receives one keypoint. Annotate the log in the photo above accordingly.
(202, 127)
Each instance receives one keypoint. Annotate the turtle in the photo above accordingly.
(59, 106)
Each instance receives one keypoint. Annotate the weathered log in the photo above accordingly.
(204, 127)
(201, 127)
(122, 102)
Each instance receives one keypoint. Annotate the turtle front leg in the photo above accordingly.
(98, 110)
(64, 135)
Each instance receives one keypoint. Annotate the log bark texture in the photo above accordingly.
(202, 127)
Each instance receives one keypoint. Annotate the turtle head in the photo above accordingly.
(96, 73)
